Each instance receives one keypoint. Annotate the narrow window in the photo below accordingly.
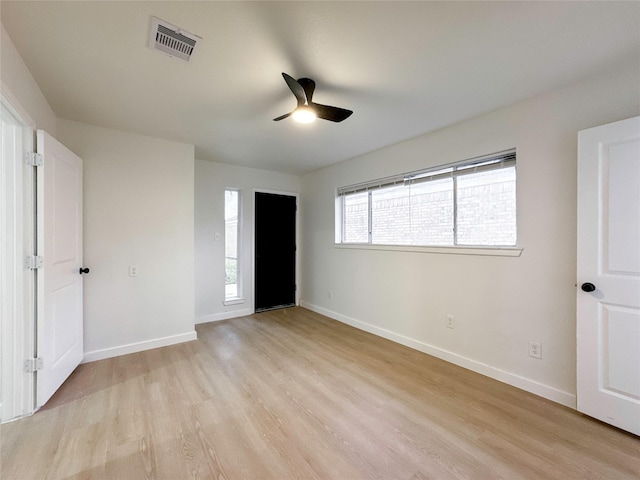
(232, 278)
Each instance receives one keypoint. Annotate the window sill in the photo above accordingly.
(487, 251)
(233, 301)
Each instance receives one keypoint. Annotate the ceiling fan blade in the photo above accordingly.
(296, 88)
(308, 86)
(333, 114)
(282, 117)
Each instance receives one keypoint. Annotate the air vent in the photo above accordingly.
(172, 40)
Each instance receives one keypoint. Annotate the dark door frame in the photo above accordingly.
(253, 239)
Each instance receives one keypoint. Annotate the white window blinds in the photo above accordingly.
(469, 203)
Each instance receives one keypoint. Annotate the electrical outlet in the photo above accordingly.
(330, 294)
(133, 271)
(535, 350)
(451, 321)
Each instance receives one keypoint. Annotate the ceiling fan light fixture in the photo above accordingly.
(304, 114)
(307, 110)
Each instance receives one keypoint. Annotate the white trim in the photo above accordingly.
(138, 346)
(217, 317)
(532, 386)
(233, 301)
(490, 251)
(16, 107)
(17, 306)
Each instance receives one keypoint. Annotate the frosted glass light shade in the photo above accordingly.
(304, 115)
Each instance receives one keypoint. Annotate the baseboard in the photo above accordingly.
(216, 317)
(509, 378)
(138, 347)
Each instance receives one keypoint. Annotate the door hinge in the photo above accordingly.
(33, 262)
(33, 365)
(34, 159)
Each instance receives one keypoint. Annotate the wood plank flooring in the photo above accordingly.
(292, 394)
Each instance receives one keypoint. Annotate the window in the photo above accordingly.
(470, 203)
(232, 284)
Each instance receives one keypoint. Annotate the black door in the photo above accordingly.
(275, 254)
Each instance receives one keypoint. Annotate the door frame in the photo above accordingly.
(18, 398)
(253, 239)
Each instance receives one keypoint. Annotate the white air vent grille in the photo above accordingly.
(171, 40)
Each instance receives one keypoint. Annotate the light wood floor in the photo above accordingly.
(292, 394)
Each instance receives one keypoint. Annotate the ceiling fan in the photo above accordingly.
(307, 110)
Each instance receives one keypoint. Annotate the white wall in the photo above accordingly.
(500, 303)
(19, 87)
(138, 211)
(211, 179)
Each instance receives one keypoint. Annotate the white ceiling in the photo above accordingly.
(404, 68)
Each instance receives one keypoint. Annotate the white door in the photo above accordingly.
(608, 303)
(59, 324)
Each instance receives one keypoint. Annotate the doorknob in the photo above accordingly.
(588, 287)
(83, 270)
